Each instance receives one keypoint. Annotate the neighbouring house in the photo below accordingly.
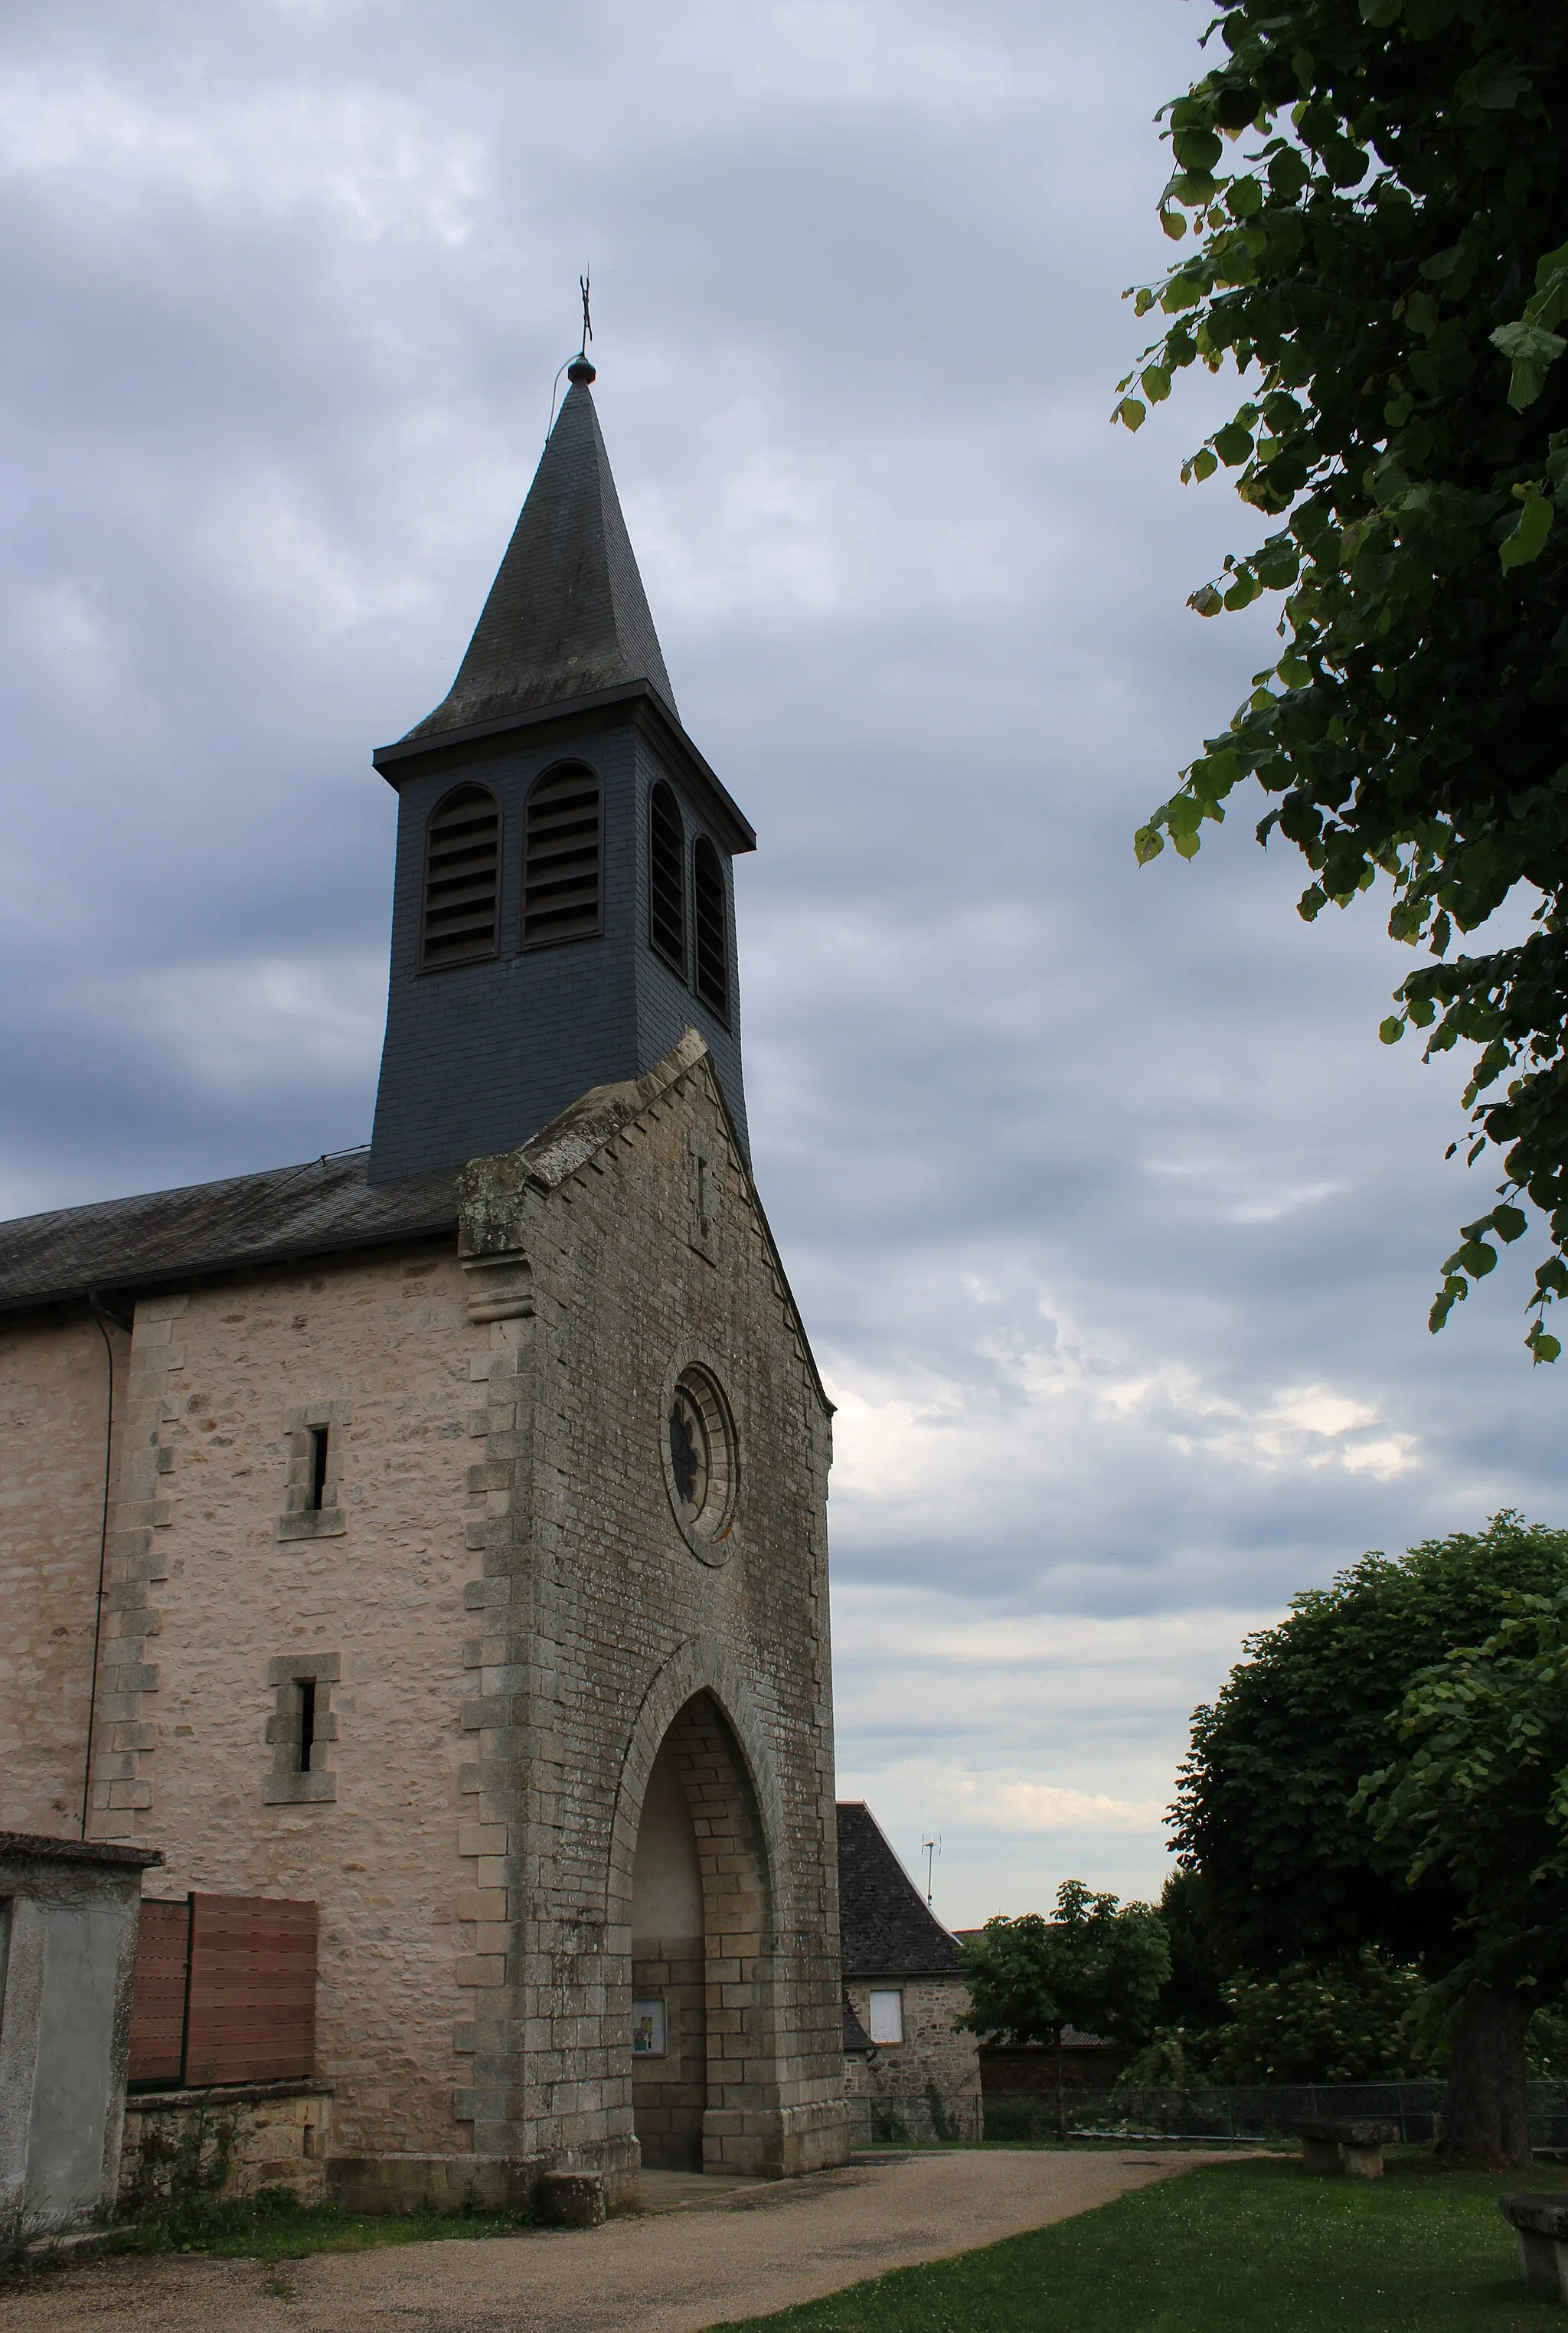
(904, 1991)
(423, 1550)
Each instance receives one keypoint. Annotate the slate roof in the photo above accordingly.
(567, 614)
(288, 1213)
(858, 2042)
(885, 1927)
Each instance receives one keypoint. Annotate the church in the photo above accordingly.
(432, 1537)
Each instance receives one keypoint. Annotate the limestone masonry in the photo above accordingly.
(440, 1539)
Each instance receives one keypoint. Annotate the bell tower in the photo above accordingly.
(564, 904)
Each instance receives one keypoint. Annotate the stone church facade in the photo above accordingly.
(437, 1533)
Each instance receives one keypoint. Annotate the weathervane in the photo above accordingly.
(583, 285)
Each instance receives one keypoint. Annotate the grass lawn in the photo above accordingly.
(1254, 2247)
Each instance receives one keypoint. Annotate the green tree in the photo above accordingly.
(1359, 2021)
(1363, 2019)
(1098, 1965)
(1481, 1796)
(1193, 1995)
(1384, 263)
(1265, 1800)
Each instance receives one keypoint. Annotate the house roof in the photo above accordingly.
(885, 1926)
(858, 2042)
(287, 1213)
(567, 614)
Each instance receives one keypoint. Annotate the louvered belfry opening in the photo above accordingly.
(710, 926)
(666, 878)
(462, 869)
(561, 885)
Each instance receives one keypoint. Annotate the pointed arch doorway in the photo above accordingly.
(699, 1951)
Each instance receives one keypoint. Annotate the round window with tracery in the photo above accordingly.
(699, 1463)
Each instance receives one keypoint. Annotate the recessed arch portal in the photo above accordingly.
(702, 2031)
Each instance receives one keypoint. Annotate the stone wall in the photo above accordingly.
(53, 1410)
(612, 1272)
(222, 1590)
(932, 2077)
(273, 2135)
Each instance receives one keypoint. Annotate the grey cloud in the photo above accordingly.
(1115, 1224)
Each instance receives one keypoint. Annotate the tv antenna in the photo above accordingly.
(931, 1848)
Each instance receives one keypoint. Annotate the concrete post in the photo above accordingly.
(71, 1917)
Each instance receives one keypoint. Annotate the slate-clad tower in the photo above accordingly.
(564, 905)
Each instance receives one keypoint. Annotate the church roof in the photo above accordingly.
(567, 615)
(886, 1928)
(289, 1212)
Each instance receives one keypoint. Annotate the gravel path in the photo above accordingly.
(672, 2272)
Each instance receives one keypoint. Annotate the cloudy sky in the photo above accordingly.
(1114, 1225)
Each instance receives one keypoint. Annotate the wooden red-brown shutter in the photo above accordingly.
(158, 2006)
(252, 2015)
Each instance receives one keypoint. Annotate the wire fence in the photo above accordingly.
(916, 2118)
(931, 2116)
(1258, 2112)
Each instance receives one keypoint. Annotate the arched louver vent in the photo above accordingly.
(666, 878)
(462, 862)
(561, 866)
(711, 927)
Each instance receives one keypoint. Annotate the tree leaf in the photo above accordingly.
(1526, 539)
(1532, 351)
(1131, 413)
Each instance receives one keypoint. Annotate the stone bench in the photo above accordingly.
(1541, 2223)
(1330, 2148)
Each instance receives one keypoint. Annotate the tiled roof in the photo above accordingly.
(885, 1927)
(169, 1235)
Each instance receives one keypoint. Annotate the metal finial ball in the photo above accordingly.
(582, 370)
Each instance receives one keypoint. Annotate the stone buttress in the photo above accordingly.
(615, 1251)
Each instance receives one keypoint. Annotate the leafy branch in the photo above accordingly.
(1398, 178)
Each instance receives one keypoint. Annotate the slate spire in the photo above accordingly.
(567, 614)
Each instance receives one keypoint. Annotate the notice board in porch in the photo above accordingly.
(226, 1992)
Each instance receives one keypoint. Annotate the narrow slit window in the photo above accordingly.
(318, 1466)
(560, 886)
(306, 1690)
(666, 878)
(711, 927)
(462, 878)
